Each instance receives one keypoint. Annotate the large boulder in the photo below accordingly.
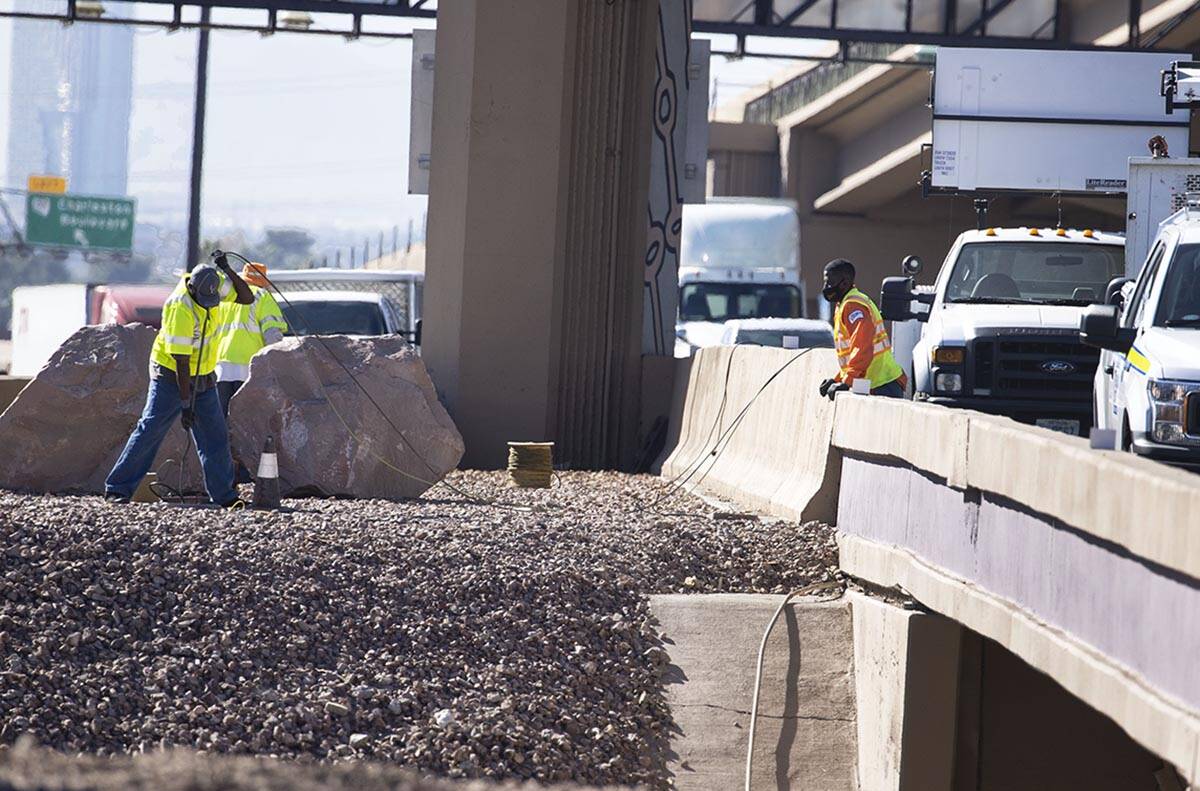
(66, 429)
(331, 438)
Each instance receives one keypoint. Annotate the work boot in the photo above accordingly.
(116, 498)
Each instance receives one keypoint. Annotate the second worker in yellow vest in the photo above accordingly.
(244, 329)
(860, 338)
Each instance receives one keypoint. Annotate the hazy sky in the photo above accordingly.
(301, 130)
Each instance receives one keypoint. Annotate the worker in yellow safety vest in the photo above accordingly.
(243, 330)
(859, 337)
(183, 361)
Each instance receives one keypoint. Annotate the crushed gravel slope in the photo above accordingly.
(454, 638)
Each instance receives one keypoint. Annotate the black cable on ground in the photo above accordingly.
(671, 487)
(474, 499)
(713, 454)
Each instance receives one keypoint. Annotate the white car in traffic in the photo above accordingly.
(783, 333)
(1147, 387)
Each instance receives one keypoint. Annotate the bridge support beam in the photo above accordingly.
(906, 667)
(533, 297)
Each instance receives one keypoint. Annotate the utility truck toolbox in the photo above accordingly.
(1040, 121)
(1147, 388)
(1001, 331)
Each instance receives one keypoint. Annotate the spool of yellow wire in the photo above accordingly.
(531, 464)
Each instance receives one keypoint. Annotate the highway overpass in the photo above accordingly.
(1051, 632)
(844, 140)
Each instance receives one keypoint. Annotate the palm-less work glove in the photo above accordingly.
(836, 388)
(187, 418)
(825, 385)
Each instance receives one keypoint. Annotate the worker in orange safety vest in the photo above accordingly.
(859, 337)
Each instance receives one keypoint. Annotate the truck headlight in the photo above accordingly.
(1166, 402)
(1167, 391)
(948, 383)
(1168, 432)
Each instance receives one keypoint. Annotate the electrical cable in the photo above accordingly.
(345, 424)
(531, 464)
(713, 454)
(670, 488)
(762, 650)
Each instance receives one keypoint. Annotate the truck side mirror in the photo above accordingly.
(1112, 292)
(911, 265)
(1099, 328)
(895, 301)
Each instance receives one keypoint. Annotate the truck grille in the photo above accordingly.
(1052, 368)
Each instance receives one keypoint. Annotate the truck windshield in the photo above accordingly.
(1179, 305)
(1045, 273)
(334, 318)
(723, 301)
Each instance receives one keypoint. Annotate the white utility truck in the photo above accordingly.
(356, 313)
(738, 259)
(355, 300)
(999, 330)
(1147, 387)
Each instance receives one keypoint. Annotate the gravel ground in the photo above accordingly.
(453, 638)
(29, 769)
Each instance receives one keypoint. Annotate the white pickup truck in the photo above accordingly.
(1001, 333)
(1147, 388)
(399, 313)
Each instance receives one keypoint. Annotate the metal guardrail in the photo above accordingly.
(806, 88)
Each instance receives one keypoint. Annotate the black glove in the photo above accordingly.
(187, 418)
(836, 388)
(825, 385)
(222, 262)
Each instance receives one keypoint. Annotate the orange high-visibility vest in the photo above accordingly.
(883, 367)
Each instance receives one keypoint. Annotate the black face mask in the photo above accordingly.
(831, 292)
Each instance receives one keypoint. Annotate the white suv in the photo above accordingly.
(1147, 387)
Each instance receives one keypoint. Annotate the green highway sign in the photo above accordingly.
(83, 221)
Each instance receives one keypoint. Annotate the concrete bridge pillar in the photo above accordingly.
(906, 680)
(533, 298)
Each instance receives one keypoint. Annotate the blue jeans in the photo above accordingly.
(889, 390)
(162, 410)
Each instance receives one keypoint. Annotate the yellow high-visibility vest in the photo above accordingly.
(183, 325)
(883, 368)
(243, 330)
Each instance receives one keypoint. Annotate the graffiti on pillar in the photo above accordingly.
(665, 203)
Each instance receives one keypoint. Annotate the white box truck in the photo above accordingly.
(45, 316)
(739, 258)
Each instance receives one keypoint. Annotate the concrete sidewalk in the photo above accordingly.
(805, 738)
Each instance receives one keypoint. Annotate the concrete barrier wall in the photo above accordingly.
(1084, 563)
(776, 457)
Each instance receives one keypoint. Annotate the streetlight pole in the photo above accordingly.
(193, 235)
